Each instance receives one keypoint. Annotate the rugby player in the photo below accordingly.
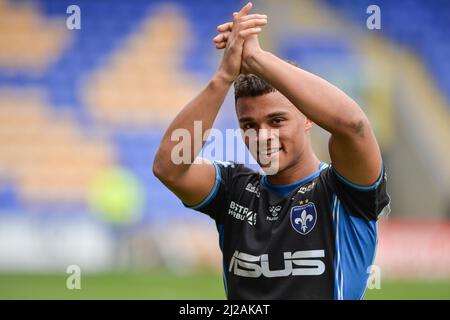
(307, 231)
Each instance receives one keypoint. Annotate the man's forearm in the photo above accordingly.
(204, 107)
(316, 98)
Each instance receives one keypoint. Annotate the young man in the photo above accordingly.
(309, 230)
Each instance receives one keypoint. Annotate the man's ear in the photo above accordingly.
(308, 124)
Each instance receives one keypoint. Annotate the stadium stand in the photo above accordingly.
(421, 26)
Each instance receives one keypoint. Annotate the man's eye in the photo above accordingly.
(277, 121)
(247, 126)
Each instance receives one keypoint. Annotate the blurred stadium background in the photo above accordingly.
(82, 113)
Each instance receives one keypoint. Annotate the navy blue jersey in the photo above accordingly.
(313, 239)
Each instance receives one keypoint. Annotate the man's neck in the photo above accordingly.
(303, 168)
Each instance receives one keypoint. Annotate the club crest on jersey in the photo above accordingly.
(303, 218)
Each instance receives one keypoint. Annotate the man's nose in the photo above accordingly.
(267, 135)
(264, 134)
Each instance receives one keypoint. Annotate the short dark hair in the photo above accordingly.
(250, 85)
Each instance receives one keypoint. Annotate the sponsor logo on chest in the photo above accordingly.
(253, 189)
(242, 213)
(274, 212)
(298, 263)
(306, 188)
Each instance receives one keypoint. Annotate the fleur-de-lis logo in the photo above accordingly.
(304, 218)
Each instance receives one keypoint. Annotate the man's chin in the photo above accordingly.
(269, 164)
(270, 168)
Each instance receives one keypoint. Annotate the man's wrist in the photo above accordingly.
(253, 61)
(220, 78)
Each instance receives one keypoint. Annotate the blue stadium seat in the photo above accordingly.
(421, 25)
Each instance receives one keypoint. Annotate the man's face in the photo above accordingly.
(281, 130)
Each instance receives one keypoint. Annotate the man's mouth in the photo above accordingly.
(270, 152)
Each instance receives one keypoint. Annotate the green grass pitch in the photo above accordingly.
(166, 285)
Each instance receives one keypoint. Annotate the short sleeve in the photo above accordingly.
(367, 202)
(214, 205)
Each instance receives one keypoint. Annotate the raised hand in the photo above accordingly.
(233, 36)
(251, 43)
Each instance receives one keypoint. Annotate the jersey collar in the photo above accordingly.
(286, 188)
